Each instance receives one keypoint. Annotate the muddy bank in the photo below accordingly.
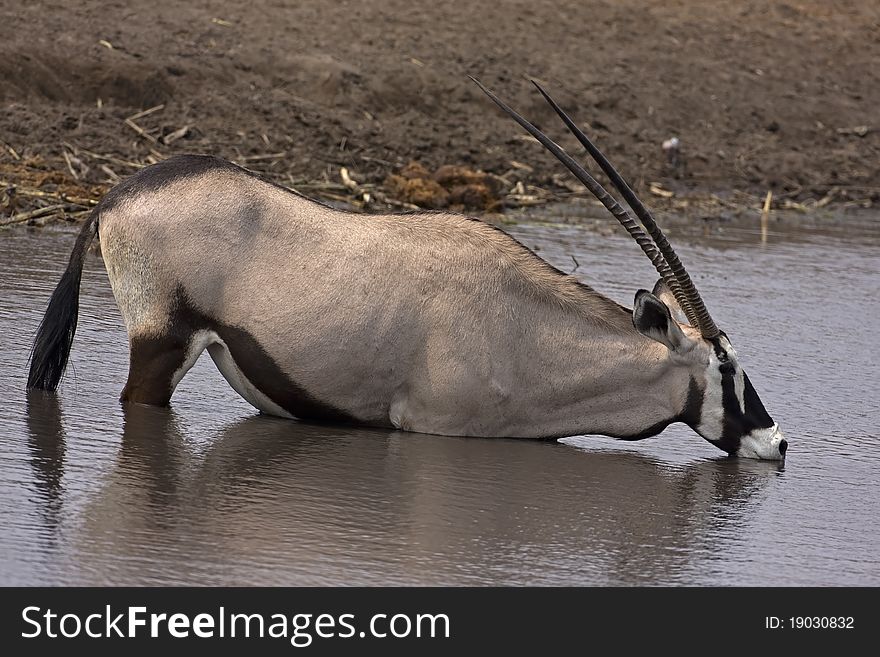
(779, 96)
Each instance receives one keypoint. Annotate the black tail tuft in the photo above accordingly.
(55, 335)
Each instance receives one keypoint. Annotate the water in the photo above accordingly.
(209, 492)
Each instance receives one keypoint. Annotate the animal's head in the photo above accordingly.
(722, 406)
(730, 414)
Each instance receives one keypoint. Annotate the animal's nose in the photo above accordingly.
(783, 445)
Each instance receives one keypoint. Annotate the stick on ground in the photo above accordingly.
(33, 214)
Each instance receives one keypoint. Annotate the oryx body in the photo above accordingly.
(427, 322)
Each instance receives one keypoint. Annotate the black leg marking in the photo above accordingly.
(152, 364)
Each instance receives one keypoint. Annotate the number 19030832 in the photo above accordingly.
(810, 623)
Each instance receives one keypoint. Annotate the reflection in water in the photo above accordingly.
(208, 493)
(46, 443)
(273, 501)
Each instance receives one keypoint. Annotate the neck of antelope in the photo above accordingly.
(625, 386)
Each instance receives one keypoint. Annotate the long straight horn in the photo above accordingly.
(667, 274)
(619, 212)
(693, 306)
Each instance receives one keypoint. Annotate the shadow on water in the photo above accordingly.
(269, 501)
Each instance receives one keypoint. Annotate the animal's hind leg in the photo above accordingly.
(157, 364)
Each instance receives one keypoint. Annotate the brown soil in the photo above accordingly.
(762, 95)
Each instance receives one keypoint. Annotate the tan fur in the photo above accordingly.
(431, 322)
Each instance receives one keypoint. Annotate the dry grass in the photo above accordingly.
(38, 189)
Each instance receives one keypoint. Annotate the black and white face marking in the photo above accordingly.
(733, 417)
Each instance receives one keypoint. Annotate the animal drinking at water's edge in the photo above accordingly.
(426, 322)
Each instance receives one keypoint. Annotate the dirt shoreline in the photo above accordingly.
(779, 96)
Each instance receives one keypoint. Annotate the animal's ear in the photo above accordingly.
(652, 318)
(662, 292)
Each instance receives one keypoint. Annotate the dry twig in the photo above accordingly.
(70, 165)
(143, 133)
(56, 196)
(33, 214)
(267, 156)
(146, 112)
(174, 136)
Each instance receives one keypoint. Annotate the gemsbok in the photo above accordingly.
(427, 322)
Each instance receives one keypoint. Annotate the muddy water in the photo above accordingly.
(209, 492)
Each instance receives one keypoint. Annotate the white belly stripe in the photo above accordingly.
(197, 344)
(235, 377)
